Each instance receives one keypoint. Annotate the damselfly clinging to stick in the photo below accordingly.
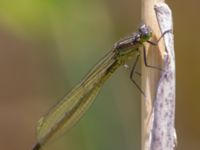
(71, 108)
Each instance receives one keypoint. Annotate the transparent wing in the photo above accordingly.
(69, 110)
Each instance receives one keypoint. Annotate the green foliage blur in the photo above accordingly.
(46, 48)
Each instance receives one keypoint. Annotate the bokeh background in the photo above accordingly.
(46, 47)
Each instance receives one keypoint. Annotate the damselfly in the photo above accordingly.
(71, 108)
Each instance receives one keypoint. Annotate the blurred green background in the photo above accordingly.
(46, 47)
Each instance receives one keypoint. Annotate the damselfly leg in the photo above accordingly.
(133, 70)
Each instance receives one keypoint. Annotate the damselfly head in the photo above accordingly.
(145, 32)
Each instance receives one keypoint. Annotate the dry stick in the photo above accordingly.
(150, 77)
(163, 132)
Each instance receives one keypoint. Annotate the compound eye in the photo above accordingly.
(147, 36)
(145, 32)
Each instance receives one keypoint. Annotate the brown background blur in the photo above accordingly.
(46, 47)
